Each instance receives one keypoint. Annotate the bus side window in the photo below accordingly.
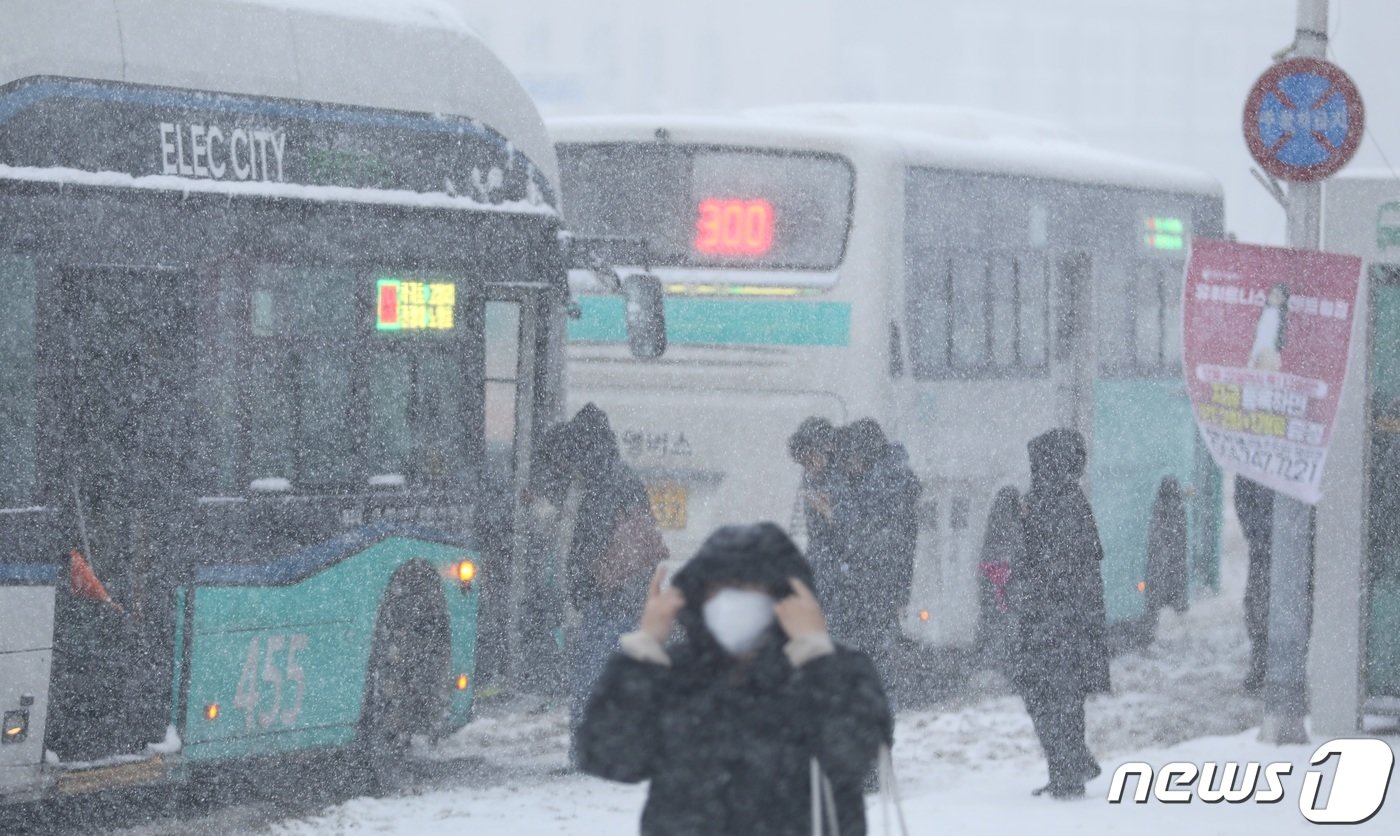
(926, 319)
(17, 410)
(1112, 312)
(1033, 309)
(1147, 317)
(1002, 288)
(896, 352)
(1138, 314)
(1171, 317)
(971, 320)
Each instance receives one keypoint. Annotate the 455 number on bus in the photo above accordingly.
(272, 685)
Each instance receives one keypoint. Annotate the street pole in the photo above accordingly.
(1290, 566)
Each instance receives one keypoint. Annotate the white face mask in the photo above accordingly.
(737, 618)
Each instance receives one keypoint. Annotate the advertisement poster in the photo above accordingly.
(1265, 338)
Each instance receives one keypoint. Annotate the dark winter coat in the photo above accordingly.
(826, 550)
(1003, 544)
(610, 488)
(1003, 541)
(878, 518)
(727, 744)
(1058, 589)
(1167, 547)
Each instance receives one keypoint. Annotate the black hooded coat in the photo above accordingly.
(1057, 590)
(726, 744)
(610, 487)
(877, 516)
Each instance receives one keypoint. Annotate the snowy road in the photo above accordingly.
(966, 766)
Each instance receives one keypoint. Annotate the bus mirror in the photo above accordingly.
(646, 316)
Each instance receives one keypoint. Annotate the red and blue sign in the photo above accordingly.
(1303, 119)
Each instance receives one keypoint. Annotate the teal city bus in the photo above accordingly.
(284, 301)
(967, 279)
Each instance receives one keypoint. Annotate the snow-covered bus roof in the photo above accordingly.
(952, 138)
(399, 55)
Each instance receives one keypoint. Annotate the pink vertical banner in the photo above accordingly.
(1265, 333)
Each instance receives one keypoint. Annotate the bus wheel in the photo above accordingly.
(407, 679)
(1166, 582)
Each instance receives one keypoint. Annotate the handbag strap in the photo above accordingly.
(823, 796)
(889, 791)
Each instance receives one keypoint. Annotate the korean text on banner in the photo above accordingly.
(1265, 336)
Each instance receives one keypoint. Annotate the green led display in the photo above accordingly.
(1164, 233)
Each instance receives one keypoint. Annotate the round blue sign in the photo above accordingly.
(1303, 119)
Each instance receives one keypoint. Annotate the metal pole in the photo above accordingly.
(1290, 598)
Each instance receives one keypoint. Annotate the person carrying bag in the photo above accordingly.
(738, 720)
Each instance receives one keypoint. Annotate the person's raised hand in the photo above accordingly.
(661, 608)
(799, 613)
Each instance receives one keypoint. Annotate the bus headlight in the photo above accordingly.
(465, 572)
(923, 615)
(16, 727)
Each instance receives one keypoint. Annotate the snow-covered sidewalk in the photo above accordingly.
(945, 795)
(966, 767)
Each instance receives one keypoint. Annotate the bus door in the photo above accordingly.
(512, 334)
(125, 339)
(1072, 360)
(1382, 644)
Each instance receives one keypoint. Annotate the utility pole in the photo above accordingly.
(1290, 562)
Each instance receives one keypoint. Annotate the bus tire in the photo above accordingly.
(1167, 575)
(407, 676)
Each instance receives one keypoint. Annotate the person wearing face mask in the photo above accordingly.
(726, 719)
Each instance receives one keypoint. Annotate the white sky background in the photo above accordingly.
(1162, 79)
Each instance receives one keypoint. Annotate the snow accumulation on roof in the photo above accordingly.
(921, 135)
(409, 56)
(319, 194)
(952, 122)
(434, 13)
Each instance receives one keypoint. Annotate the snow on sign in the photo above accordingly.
(1266, 331)
(1303, 119)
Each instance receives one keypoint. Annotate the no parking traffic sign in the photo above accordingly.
(1303, 119)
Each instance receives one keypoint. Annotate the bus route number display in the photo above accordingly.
(734, 227)
(406, 305)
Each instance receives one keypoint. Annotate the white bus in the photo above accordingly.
(967, 279)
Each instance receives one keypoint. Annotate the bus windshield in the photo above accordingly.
(703, 206)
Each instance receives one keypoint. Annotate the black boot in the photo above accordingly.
(1088, 768)
(1061, 791)
(1254, 680)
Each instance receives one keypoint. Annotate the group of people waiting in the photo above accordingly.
(859, 508)
(739, 684)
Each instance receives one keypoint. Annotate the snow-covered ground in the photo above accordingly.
(965, 767)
